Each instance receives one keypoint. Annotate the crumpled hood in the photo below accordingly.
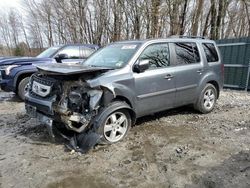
(68, 69)
(23, 60)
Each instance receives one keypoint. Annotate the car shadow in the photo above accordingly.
(9, 96)
(15, 98)
(34, 131)
(38, 133)
(172, 112)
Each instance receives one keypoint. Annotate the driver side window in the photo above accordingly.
(157, 54)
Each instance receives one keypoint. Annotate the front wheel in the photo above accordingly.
(23, 88)
(114, 126)
(207, 99)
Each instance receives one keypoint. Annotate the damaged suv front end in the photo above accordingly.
(64, 97)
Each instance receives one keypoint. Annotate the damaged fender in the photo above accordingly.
(115, 90)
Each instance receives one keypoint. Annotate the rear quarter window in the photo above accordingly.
(210, 52)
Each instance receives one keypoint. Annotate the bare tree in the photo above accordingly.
(247, 5)
(50, 22)
(196, 17)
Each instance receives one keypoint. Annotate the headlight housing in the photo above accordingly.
(7, 68)
(3, 67)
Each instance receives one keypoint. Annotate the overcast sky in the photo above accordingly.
(6, 4)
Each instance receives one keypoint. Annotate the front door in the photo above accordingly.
(155, 88)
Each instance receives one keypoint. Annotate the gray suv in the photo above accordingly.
(124, 81)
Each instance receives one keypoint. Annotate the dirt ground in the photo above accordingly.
(175, 149)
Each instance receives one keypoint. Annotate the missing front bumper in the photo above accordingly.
(80, 142)
(66, 120)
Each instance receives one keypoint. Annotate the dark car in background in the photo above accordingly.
(16, 71)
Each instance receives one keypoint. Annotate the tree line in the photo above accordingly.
(45, 23)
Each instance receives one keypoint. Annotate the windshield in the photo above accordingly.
(49, 52)
(113, 56)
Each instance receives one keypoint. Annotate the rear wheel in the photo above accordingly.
(207, 99)
(114, 126)
(23, 88)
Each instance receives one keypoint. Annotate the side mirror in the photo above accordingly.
(141, 66)
(60, 57)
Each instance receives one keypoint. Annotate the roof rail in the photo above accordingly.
(188, 36)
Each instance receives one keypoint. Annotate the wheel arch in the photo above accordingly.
(216, 85)
(132, 113)
(209, 78)
(115, 105)
(116, 96)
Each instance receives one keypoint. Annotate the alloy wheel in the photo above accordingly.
(209, 99)
(115, 126)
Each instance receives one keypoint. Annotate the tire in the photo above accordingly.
(22, 88)
(207, 99)
(110, 128)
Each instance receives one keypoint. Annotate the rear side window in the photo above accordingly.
(210, 51)
(186, 53)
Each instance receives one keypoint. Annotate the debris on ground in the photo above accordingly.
(176, 148)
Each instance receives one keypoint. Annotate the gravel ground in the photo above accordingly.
(175, 149)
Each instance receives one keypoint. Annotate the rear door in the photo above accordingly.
(155, 87)
(188, 71)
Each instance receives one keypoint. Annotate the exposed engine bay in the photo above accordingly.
(73, 102)
(77, 104)
(68, 101)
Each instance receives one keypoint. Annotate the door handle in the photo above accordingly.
(169, 76)
(200, 71)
